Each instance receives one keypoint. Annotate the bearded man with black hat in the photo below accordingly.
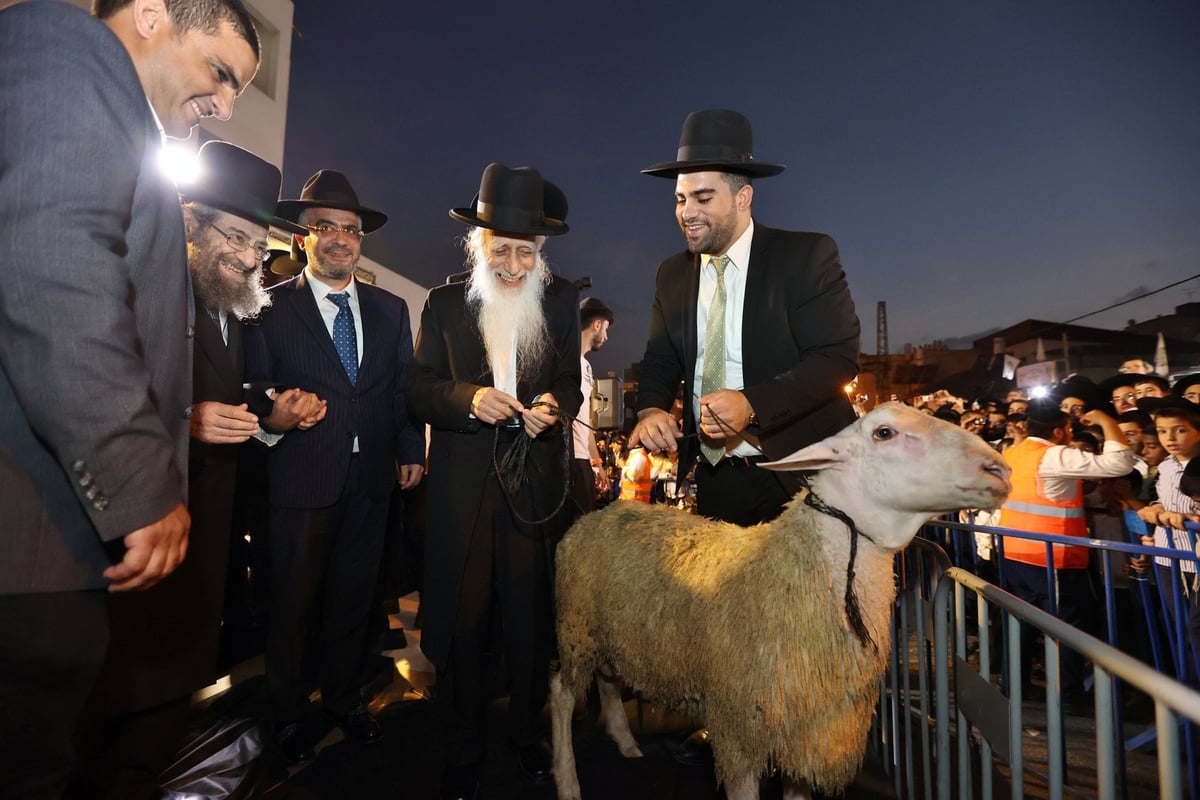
(1047, 497)
(496, 356)
(164, 640)
(766, 378)
(329, 486)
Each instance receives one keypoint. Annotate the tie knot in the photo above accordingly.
(719, 264)
(340, 299)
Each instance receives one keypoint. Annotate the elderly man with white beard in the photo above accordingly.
(496, 357)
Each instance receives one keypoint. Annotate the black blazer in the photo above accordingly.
(799, 340)
(449, 365)
(164, 639)
(290, 346)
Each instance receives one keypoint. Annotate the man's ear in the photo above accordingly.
(150, 17)
(300, 241)
(745, 197)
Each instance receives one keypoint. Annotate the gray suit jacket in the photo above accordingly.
(95, 305)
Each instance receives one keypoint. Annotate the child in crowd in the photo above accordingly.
(1177, 422)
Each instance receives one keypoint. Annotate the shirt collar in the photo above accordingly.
(320, 289)
(162, 134)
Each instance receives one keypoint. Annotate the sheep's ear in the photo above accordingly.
(821, 455)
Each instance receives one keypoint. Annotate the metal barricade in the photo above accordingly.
(988, 719)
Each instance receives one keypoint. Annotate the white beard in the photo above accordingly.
(506, 317)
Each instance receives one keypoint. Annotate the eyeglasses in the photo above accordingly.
(325, 229)
(241, 244)
(1128, 397)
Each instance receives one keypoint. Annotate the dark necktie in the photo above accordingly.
(345, 340)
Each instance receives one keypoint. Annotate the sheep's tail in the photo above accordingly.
(853, 611)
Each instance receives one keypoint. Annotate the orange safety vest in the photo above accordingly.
(635, 477)
(1028, 509)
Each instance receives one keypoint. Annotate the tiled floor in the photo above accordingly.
(406, 764)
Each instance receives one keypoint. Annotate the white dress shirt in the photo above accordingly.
(329, 312)
(735, 301)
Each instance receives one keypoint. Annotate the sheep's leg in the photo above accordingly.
(744, 789)
(562, 706)
(615, 721)
(796, 789)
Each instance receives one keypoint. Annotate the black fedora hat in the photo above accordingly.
(281, 262)
(515, 201)
(331, 189)
(236, 181)
(719, 140)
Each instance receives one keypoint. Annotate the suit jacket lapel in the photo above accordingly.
(691, 346)
(212, 346)
(305, 306)
(761, 297)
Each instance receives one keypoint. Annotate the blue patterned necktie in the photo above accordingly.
(712, 376)
(345, 340)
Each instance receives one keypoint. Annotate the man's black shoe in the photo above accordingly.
(460, 782)
(360, 725)
(694, 751)
(534, 761)
(295, 744)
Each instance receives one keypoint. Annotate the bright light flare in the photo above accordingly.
(180, 164)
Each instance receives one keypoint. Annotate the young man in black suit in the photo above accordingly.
(768, 379)
(95, 327)
(349, 343)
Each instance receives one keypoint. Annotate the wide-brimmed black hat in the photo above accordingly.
(236, 181)
(1082, 387)
(717, 140)
(515, 201)
(1157, 405)
(1045, 410)
(331, 189)
(1185, 383)
(281, 262)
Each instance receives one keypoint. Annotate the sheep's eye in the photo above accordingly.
(883, 433)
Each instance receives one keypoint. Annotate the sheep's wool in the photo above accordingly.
(698, 598)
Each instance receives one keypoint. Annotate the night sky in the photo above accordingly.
(978, 163)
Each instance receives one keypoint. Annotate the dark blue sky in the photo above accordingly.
(977, 163)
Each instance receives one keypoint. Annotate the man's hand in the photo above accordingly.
(495, 407)
(605, 485)
(295, 408)
(221, 423)
(151, 553)
(540, 418)
(656, 431)
(724, 413)
(410, 475)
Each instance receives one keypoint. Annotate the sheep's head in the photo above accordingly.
(896, 467)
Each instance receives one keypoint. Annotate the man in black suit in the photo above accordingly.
(349, 343)
(95, 336)
(164, 640)
(496, 356)
(790, 333)
(769, 378)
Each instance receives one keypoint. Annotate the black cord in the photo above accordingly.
(853, 612)
(512, 468)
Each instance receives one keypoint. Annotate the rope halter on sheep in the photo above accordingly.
(853, 614)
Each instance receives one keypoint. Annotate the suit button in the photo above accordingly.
(100, 503)
(86, 480)
(77, 466)
(91, 493)
(191, 332)
(187, 413)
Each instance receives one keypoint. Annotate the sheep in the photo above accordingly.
(758, 631)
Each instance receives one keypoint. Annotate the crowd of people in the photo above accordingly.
(1082, 454)
(159, 401)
